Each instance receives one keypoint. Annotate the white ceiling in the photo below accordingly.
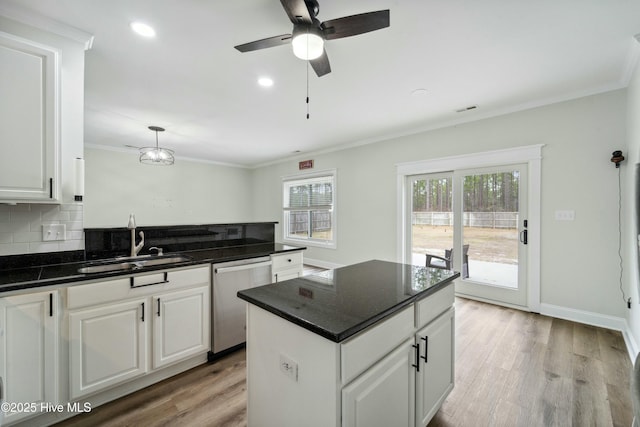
(502, 55)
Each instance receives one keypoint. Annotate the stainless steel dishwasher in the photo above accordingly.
(229, 312)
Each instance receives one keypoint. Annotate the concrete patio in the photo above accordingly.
(490, 273)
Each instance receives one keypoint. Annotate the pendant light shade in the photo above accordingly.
(156, 155)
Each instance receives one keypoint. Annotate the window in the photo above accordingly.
(309, 209)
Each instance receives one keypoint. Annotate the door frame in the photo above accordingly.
(530, 154)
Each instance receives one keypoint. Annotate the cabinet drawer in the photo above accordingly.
(432, 306)
(120, 288)
(286, 261)
(373, 344)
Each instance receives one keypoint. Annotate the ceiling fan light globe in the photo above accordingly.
(307, 46)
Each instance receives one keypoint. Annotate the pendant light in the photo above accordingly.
(156, 155)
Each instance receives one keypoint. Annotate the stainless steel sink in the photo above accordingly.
(162, 260)
(119, 264)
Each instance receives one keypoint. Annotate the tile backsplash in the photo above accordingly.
(21, 228)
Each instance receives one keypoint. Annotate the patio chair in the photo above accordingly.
(446, 262)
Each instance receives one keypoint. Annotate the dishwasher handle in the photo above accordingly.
(219, 270)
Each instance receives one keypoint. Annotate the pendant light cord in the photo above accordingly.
(308, 65)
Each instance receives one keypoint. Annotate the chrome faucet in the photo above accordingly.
(132, 226)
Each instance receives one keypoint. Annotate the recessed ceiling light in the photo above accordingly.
(419, 92)
(265, 82)
(143, 29)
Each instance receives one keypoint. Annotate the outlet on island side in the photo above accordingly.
(289, 367)
(629, 303)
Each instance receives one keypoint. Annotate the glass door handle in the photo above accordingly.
(523, 236)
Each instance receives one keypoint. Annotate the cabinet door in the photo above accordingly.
(286, 275)
(180, 325)
(384, 394)
(107, 345)
(29, 349)
(29, 121)
(435, 378)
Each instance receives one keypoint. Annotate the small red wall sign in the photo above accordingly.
(306, 164)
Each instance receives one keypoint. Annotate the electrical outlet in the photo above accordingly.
(52, 232)
(565, 215)
(289, 367)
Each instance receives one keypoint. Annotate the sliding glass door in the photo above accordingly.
(431, 208)
(470, 221)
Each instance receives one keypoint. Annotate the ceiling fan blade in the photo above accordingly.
(321, 64)
(355, 24)
(297, 11)
(264, 43)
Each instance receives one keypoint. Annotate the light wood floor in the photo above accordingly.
(512, 369)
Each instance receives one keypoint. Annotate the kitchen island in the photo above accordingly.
(369, 344)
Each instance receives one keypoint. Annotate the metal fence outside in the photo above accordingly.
(469, 219)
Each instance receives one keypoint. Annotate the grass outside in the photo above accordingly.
(485, 244)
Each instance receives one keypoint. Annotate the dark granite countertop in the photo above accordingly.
(33, 276)
(337, 304)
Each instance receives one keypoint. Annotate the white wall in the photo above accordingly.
(21, 226)
(579, 258)
(117, 184)
(630, 217)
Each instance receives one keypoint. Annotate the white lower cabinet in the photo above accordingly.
(29, 351)
(107, 346)
(180, 325)
(127, 327)
(408, 386)
(435, 379)
(383, 395)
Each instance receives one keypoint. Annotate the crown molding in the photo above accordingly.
(36, 20)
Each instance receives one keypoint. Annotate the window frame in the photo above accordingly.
(322, 243)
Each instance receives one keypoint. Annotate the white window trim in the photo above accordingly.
(334, 217)
(530, 154)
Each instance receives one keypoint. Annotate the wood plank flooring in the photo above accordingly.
(512, 369)
(522, 369)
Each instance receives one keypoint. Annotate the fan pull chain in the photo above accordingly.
(307, 90)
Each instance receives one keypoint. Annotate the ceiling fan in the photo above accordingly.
(309, 34)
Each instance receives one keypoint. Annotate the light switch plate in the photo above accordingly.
(52, 232)
(565, 215)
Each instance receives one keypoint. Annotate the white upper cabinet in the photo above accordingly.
(29, 121)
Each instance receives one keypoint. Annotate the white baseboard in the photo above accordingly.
(632, 346)
(594, 319)
(321, 264)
